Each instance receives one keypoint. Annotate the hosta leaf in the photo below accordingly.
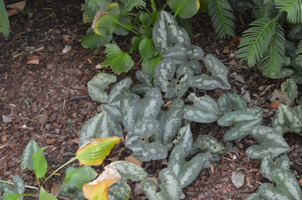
(97, 85)
(184, 138)
(19, 186)
(133, 108)
(170, 121)
(138, 140)
(117, 59)
(291, 88)
(271, 141)
(203, 110)
(296, 32)
(229, 102)
(166, 33)
(209, 143)
(287, 187)
(268, 165)
(30, 149)
(77, 177)
(149, 65)
(147, 49)
(146, 80)
(217, 80)
(184, 8)
(114, 97)
(241, 121)
(287, 119)
(241, 5)
(39, 163)
(170, 187)
(45, 195)
(187, 171)
(94, 41)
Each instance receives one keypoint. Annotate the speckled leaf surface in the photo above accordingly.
(217, 80)
(187, 171)
(138, 140)
(271, 141)
(184, 138)
(170, 121)
(291, 88)
(66, 190)
(287, 119)
(97, 85)
(77, 177)
(170, 187)
(30, 149)
(146, 80)
(119, 190)
(19, 186)
(241, 5)
(254, 196)
(296, 32)
(229, 102)
(115, 94)
(287, 187)
(209, 143)
(268, 165)
(166, 33)
(203, 110)
(134, 108)
(183, 74)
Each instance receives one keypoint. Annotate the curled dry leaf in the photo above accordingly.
(300, 181)
(275, 104)
(33, 60)
(17, 6)
(98, 189)
(11, 12)
(133, 160)
(55, 189)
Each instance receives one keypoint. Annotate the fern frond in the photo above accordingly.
(256, 40)
(272, 59)
(293, 9)
(98, 4)
(130, 4)
(204, 5)
(4, 22)
(267, 10)
(222, 18)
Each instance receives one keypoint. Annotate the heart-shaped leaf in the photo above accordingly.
(77, 177)
(138, 140)
(170, 187)
(133, 108)
(19, 186)
(217, 80)
(203, 110)
(184, 138)
(268, 165)
(271, 141)
(291, 88)
(187, 171)
(30, 149)
(39, 163)
(114, 97)
(185, 8)
(97, 85)
(146, 79)
(166, 33)
(229, 102)
(209, 143)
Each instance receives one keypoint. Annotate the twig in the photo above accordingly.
(79, 97)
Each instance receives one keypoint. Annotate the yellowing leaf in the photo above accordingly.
(98, 189)
(96, 150)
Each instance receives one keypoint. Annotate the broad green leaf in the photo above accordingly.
(209, 143)
(138, 140)
(97, 85)
(147, 49)
(271, 141)
(296, 32)
(203, 110)
(268, 165)
(30, 149)
(145, 31)
(94, 41)
(9, 195)
(184, 8)
(217, 80)
(45, 195)
(134, 108)
(287, 119)
(39, 162)
(241, 5)
(187, 171)
(149, 65)
(135, 42)
(13, 192)
(118, 60)
(166, 33)
(184, 138)
(229, 102)
(144, 18)
(77, 177)
(114, 97)
(125, 27)
(291, 88)
(154, 17)
(170, 187)
(146, 80)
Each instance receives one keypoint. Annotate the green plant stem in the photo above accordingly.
(130, 17)
(71, 160)
(27, 186)
(130, 29)
(148, 11)
(163, 7)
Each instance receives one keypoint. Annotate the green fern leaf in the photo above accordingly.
(222, 18)
(98, 4)
(4, 22)
(130, 4)
(293, 9)
(256, 40)
(266, 10)
(272, 59)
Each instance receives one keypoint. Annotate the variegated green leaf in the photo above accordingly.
(166, 33)
(209, 143)
(187, 171)
(119, 190)
(229, 102)
(66, 190)
(287, 119)
(134, 108)
(114, 97)
(203, 110)
(138, 140)
(217, 80)
(183, 74)
(30, 149)
(287, 187)
(19, 186)
(268, 165)
(97, 85)
(170, 187)
(146, 80)
(271, 141)
(184, 138)
(283, 73)
(254, 196)
(291, 88)
(296, 32)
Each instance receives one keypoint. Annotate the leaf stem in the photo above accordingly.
(148, 11)
(27, 186)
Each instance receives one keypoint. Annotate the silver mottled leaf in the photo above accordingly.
(119, 190)
(26, 158)
(291, 88)
(18, 188)
(267, 165)
(115, 94)
(184, 138)
(296, 32)
(146, 80)
(229, 102)
(254, 196)
(209, 143)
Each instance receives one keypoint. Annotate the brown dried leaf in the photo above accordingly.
(275, 104)
(33, 60)
(133, 160)
(237, 40)
(300, 181)
(115, 158)
(55, 189)
(226, 50)
(12, 12)
(253, 170)
(18, 6)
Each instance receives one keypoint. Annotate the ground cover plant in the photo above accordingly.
(153, 132)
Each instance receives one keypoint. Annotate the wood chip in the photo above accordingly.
(33, 60)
